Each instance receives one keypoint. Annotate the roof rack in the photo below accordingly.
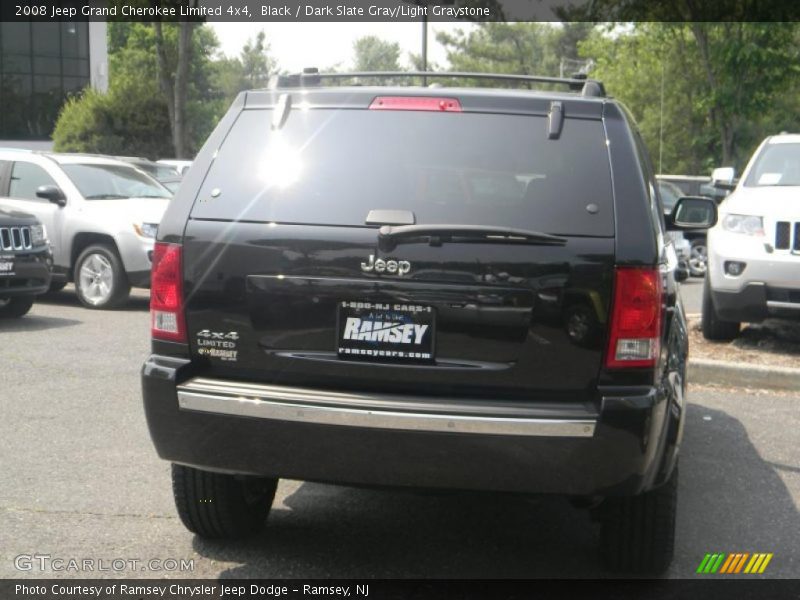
(311, 77)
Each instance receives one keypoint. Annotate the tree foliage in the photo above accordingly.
(375, 54)
(133, 117)
(704, 94)
(514, 48)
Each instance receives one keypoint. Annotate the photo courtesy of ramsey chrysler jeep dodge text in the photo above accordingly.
(426, 287)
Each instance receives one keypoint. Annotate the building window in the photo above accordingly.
(41, 64)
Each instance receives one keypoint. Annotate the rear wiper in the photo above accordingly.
(106, 197)
(389, 236)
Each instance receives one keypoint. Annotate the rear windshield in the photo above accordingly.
(333, 167)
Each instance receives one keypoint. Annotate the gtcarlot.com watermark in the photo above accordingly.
(60, 564)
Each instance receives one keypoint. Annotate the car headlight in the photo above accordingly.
(38, 235)
(746, 224)
(147, 230)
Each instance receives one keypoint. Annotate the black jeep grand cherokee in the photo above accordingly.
(429, 287)
(25, 262)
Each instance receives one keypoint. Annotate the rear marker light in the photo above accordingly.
(415, 103)
(635, 334)
(166, 294)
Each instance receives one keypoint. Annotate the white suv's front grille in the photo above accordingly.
(787, 236)
(15, 238)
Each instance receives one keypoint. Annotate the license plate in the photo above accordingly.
(392, 332)
(6, 267)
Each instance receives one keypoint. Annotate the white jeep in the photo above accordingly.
(754, 250)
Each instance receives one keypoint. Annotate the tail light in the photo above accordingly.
(166, 294)
(415, 103)
(635, 335)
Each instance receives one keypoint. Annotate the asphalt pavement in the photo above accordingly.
(80, 480)
(692, 295)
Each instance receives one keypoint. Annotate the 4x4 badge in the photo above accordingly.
(379, 265)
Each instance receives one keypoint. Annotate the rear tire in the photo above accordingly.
(714, 328)
(221, 506)
(14, 308)
(638, 532)
(100, 279)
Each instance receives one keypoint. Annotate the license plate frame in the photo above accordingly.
(395, 332)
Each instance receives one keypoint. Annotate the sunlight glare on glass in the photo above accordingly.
(282, 163)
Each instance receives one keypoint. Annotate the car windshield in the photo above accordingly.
(776, 165)
(97, 181)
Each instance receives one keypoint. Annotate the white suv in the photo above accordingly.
(754, 250)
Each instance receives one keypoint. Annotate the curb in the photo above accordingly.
(721, 372)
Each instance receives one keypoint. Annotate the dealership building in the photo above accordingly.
(41, 65)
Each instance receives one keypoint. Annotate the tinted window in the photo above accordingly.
(778, 164)
(105, 182)
(25, 178)
(333, 167)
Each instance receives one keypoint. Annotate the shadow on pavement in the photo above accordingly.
(730, 501)
(33, 322)
(343, 532)
(138, 301)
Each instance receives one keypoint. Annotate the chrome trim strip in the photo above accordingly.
(789, 305)
(309, 406)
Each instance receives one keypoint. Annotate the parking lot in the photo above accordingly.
(81, 480)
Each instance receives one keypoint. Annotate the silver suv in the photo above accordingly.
(100, 214)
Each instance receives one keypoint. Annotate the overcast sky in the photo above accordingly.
(298, 45)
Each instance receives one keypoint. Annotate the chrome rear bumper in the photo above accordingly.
(368, 410)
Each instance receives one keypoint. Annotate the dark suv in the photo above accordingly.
(428, 287)
(25, 262)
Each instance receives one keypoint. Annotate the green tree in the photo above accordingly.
(702, 93)
(257, 64)
(375, 54)
(112, 123)
(134, 95)
(513, 48)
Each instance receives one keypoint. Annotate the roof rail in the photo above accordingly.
(311, 77)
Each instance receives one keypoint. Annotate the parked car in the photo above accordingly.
(25, 261)
(181, 166)
(754, 269)
(451, 288)
(168, 176)
(101, 217)
(691, 252)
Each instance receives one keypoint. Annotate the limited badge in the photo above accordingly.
(218, 344)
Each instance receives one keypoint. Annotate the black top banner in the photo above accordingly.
(400, 10)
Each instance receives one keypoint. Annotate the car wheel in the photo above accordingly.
(714, 328)
(638, 532)
(13, 308)
(219, 505)
(100, 279)
(698, 258)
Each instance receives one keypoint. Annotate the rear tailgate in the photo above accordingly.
(280, 265)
